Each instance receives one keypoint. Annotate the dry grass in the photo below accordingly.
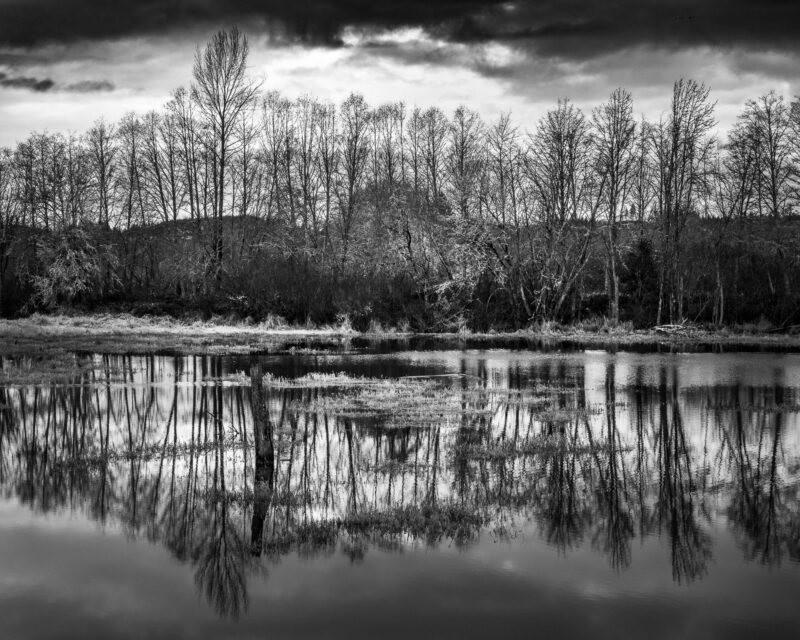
(124, 333)
(536, 446)
(403, 402)
(325, 381)
(431, 522)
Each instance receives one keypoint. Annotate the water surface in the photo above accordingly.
(502, 492)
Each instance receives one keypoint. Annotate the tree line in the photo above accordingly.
(236, 199)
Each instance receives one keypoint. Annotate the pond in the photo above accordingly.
(359, 492)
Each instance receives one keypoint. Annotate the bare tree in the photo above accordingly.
(415, 135)
(76, 183)
(11, 211)
(643, 186)
(277, 132)
(683, 151)
(435, 127)
(306, 168)
(131, 175)
(560, 162)
(559, 167)
(766, 125)
(354, 156)
(327, 160)
(160, 151)
(103, 166)
(465, 160)
(223, 92)
(180, 110)
(615, 161)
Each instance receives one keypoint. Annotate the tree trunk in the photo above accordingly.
(264, 459)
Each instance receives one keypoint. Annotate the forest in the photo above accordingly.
(234, 200)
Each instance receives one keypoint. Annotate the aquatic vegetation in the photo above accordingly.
(540, 445)
(326, 381)
(409, 401)
(430, 522)
(144, 453)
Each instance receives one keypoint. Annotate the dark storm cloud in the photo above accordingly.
(568, 28)
(580, 30)
(25, 82)
(33, 22)
(42, 85)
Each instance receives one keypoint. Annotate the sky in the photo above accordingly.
(66, 63)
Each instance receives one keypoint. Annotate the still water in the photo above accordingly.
(497, 493)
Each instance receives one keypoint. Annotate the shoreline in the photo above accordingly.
(124, 333)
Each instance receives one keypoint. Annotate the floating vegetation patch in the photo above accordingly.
(541, 445)
(326, 381)
(238, 379)
(149, 452)
(776, 408)
(431, 522)
(392, 467)
(247, 497)
(567, 416)
(411, 401)
(396, 404)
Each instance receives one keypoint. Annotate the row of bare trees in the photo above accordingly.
(450, 202)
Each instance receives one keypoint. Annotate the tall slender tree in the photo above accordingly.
(223, 92)
(614, 129)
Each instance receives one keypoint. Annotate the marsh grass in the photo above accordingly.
(55, 367)
(145, 453)
(247, 496)
(238, 379)
(391, 467)
(395, 404)
(411, 401)
(126, 333)
(430, 522)
(325, 381)
(541, 445)
(777, 408)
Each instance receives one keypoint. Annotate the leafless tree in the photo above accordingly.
(465, 160)
(223, 92)
(682, 148)
(615, 129)
(102, 144)
(327, 160)
(11, 212)
(766, 125)
(354, 155)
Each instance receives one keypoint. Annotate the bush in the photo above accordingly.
(74, 269)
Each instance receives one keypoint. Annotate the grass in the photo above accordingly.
(325, 381)
(541, 445)
(431, 522)
(400, 402)
(147, 452)
(125, 333)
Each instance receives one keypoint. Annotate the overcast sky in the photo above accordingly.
(65, 63)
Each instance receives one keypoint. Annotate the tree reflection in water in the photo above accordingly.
(227, 473)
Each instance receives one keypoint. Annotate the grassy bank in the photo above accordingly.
(118, 333)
